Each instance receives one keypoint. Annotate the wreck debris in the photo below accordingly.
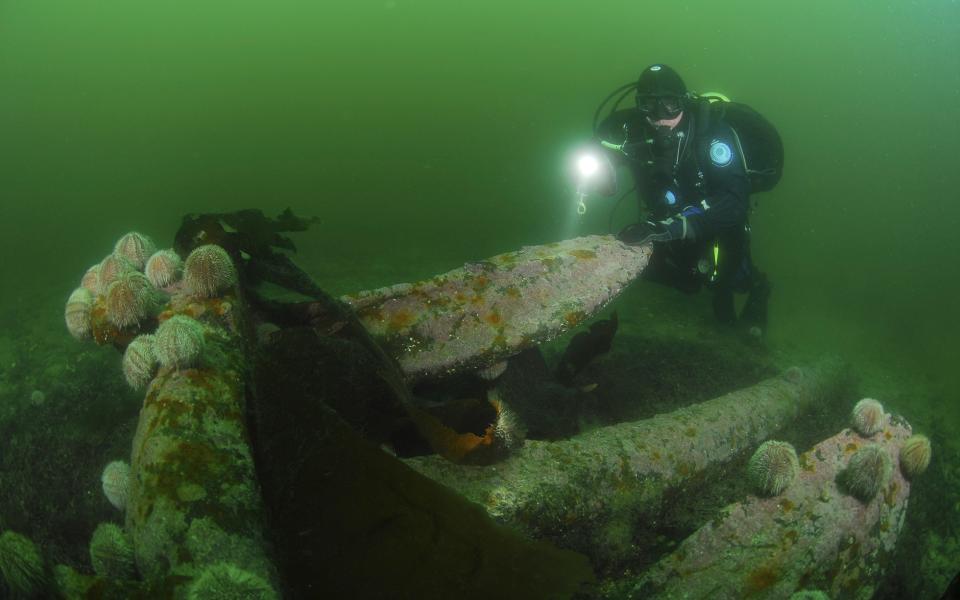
(588, 493)
(194, 499)
(813, 536)
(352, 520)
(191, 498)
(476, 316)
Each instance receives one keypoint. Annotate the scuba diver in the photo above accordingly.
(692, 172)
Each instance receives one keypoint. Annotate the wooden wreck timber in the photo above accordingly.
(193, 508)
(482, 313)
(194, 499)
(588, 493)
(812, 537)
(193, 502)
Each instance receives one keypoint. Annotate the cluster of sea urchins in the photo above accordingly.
(132, 284)
(774, 465)
(119, 285)
(869, 418)
(870, 467)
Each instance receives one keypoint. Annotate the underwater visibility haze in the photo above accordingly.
(413, 138)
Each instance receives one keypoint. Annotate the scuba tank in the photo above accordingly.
(757, 138)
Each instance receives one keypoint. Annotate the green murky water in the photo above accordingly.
(427, 133)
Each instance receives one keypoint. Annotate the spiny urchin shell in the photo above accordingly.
(209, 271)
(225, 580)
(164, 268)
(915, 455)
(77, 313)
(509, 431)
(772, 468)
(130, 299)
(111, 552)
(111, 268)
(91, 279)
(21, 566)
(116, 483)
(136, 248)
(867, 418)
(866, 473)
(793, 375)
(179, 342)
(140, 361)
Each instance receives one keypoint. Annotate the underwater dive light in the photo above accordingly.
(588, 165)
(594, 172)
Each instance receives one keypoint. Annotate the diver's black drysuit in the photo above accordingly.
(693, 182)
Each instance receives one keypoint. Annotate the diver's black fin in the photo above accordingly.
(586, 346)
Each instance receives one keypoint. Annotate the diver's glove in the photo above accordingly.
(638, 234)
